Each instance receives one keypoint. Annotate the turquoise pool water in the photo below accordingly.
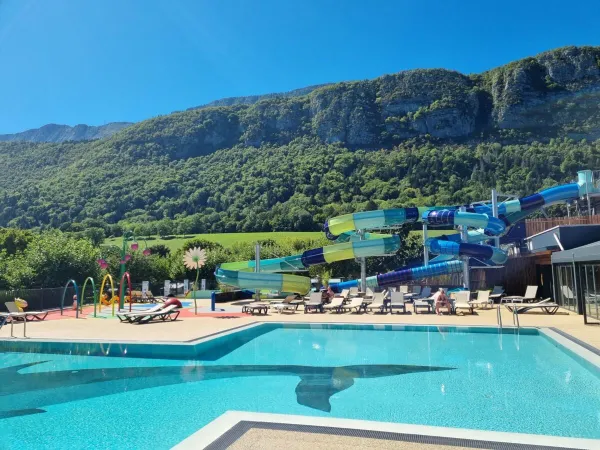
(424, 375)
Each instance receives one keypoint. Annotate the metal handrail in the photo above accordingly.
(499, 317)
(516, 318)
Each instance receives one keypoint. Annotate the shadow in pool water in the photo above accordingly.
(25, 393)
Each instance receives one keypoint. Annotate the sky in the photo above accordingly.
(100, 61)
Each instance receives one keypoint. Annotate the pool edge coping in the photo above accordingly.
(218, 429)
(227, 331)
(571, 345)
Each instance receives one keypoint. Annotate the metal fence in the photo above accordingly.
(40, 299)
(51, 298)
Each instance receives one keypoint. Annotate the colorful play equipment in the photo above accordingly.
(478, 222)
(76, 299)
(105, 299)
(121, 303)
(94, 294)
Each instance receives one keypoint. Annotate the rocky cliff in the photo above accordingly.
(556, 93)
(63, 133)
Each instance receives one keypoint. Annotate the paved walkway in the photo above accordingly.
(190, 327)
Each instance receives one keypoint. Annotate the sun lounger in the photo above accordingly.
(353, 292)
(315, 303)
(530, 294)
(28, 315)
(397, 302)
(369, 293)
(356, 303)
(416, 293)
(378, 302)
(426, 303)
(336, 305)
(546, 305)
(483, 299)
(171, 313)
(462, 301)
(124, 316)
(290, 303)
(497, 293)
(256, 308)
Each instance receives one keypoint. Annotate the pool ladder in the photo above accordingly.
(515, 317)
(499, 317)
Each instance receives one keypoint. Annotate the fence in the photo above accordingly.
(39, 299)
(535, 226)
(50, 298)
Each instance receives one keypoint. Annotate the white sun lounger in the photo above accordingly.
(24, 315)
(461, 300)
(378, 302)
(315, 302)
(124, 316)
(546, 305)
(530, 294)
(483, 299)
(336, 304)
(355, 303)
(398, 302)
(171, 313)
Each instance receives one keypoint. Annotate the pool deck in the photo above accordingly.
(190, 327)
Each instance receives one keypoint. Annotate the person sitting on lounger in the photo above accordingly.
(441, 299)
(329, 293)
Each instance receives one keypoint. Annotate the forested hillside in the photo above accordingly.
(420, 137)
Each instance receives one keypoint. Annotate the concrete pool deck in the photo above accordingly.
(193, 327)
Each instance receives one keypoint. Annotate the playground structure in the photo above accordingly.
(99, 297)
(477, 222)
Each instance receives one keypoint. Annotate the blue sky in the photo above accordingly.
(98, 61)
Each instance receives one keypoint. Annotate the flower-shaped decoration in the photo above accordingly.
(147, 252)
(102, 263)
(127, 258)
(194, 258)
(134, 246)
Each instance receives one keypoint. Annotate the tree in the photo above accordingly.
(51, 260)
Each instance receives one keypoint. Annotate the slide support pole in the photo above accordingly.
(257, 267)
(363, 266)
(425, 249)
(495, 214)
(465, 238)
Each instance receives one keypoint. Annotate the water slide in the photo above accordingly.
(243, 275)
(478, 217)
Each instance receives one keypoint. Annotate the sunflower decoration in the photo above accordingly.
(195, 258)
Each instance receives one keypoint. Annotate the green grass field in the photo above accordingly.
(228, 239)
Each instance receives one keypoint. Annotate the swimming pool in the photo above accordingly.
(442, 376)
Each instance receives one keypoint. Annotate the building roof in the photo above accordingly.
(590, 252)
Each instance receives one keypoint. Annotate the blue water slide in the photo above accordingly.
(448, 248)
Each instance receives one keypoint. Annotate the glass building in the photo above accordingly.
(576, 274)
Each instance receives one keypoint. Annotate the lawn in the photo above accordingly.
(228, 239)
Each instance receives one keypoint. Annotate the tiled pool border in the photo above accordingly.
(229, 427)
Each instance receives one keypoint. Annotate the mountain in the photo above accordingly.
(62, 133)
(418, 137)
(250, 100)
